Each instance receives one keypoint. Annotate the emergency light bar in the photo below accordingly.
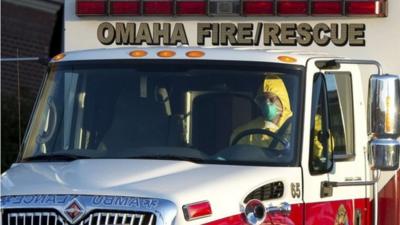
(118, 7)
(258, 8)
(231, 8)
(191, 7)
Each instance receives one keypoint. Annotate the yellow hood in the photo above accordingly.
(275, 85)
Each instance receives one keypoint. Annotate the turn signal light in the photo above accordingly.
(90, 8)
(59, 57)
(195, 54)
(287, 59)
(138, 53)
(166, 53)
(197, 210)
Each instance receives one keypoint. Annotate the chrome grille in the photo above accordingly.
(32, 218)
(111, 218)
(96, 218)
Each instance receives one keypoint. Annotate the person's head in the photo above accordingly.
(274, 101)
(270, 105)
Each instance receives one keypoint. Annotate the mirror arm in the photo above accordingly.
(349, 183)
(327, 186)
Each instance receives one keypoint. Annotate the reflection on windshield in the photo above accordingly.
(211, 112)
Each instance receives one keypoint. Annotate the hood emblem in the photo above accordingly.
(74, 210)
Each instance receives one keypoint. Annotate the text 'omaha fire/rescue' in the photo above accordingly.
(246, 34)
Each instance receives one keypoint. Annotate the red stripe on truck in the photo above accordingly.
(389, 202)
(327, 212)
(295, 218)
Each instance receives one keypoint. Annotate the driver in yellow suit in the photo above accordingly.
(274, 103)
(318, 148)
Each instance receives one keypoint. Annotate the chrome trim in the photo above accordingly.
(13, 218)
(284, 209)
(111, 218)
(164, 210)
(255, 212)
(384, 105)
(384, 154)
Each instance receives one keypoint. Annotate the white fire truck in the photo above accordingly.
(217, 112)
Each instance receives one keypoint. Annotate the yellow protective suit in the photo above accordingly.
(275, 85)
(318, 147)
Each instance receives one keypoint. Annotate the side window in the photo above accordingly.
(340, 104)
(321, 140)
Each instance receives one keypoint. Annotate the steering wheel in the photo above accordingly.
(245, 133)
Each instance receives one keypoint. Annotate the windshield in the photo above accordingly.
(205, 111)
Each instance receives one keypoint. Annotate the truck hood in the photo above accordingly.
(178, 181)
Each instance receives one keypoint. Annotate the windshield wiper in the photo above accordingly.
(169, 157)
(54, 158)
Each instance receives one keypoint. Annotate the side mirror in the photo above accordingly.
(384, 154)
(384, 105)
(384, 121)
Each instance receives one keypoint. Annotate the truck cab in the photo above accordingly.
(182, 135)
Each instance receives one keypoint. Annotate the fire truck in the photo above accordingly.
(156, 114)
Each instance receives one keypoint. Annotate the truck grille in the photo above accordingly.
(119, 218)
(32, 218)
(95, 218)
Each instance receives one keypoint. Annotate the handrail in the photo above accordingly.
(336, 62)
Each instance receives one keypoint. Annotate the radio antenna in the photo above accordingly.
(18, 103)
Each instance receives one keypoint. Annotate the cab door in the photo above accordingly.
(334, 149)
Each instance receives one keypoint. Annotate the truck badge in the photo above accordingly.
(74, 210)
(341, 216)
